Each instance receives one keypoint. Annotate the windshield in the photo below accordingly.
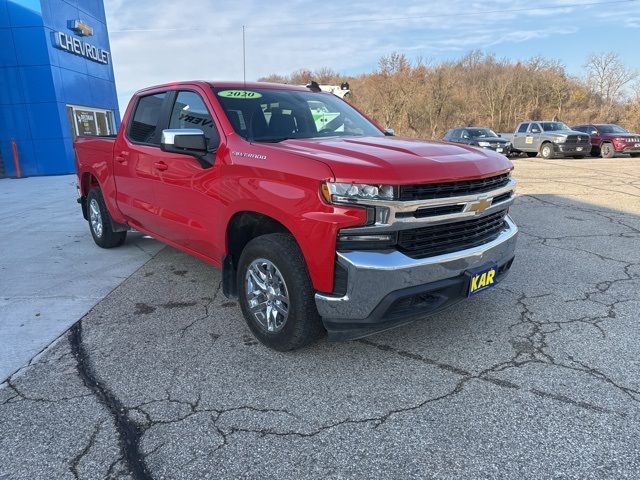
(612, 129)
(268, 115)
(553, 126)
(481, 133)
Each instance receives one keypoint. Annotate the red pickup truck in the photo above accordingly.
(319, 219)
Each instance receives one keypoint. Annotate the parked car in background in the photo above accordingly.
(607, 139)
(479, 137)
(550, 139)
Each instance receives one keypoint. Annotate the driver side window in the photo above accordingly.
(189, 111)
(534, 128)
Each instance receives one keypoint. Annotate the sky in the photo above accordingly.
(158, 41)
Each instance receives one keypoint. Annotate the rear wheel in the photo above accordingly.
(532, 154)
(100, 222)
(546, 150)
(607, 151)
(276, 295)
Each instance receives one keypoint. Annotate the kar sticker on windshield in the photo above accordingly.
(242, 94)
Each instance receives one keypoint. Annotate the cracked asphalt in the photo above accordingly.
(538, 378)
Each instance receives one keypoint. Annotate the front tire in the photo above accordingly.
(275, 293)
(100, 222)
(607, 150)
(546, 151)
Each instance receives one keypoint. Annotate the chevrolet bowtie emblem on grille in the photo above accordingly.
(479, 206)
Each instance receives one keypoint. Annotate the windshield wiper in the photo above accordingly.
(272, 140)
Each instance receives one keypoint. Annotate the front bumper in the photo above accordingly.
(503, 149)
(573, 149)
(629, 149)
(388, 289)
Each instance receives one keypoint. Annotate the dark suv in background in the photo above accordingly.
(608, 139)
(479, 137)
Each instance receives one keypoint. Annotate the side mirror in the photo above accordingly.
(389, 132)
(593, 132)
(186, 141)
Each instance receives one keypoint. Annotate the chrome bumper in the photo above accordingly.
(372, 276)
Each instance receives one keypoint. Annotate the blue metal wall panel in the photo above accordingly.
(4, 14)
(39, 80)
(25, 13)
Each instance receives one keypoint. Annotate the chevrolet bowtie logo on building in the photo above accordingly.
(479, 206)
(74, 45)
(81, 28)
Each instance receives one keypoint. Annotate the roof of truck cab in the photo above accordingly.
(228, 84)
(260, 85)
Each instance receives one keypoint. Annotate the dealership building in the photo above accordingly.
(56, 82)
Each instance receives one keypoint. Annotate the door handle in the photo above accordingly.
(122, 157)
(161, 166)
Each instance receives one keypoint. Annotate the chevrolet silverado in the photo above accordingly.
(335, 227)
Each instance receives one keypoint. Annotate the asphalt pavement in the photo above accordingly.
(537, 378)
(50, 274)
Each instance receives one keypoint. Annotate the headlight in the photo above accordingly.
(507, 145)
(559, 140)
(343, 192)
(484, 144)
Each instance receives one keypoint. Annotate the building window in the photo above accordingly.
(90, 121)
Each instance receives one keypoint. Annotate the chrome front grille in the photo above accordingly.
(452, 189)
(450, 237)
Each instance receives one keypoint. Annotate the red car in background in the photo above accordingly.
(608, 139)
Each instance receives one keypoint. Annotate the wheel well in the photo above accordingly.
(545, 143)
(243, 227)
(89, 181)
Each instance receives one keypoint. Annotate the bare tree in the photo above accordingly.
(424, 100)
(607, 76)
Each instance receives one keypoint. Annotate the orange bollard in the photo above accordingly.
(16, 158)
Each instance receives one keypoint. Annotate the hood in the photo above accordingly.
(490, 139)
(628, 136)
(564, 133)
(397, 161)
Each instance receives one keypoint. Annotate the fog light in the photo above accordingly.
(366, 242)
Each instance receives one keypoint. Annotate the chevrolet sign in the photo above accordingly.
(76, 46)
(81, 28)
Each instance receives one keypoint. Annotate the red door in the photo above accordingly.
(186, 201)
(185, 189)
(134, 167)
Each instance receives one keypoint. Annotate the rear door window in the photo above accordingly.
(144, 124)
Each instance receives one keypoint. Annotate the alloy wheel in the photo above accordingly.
(267, 295)
(95, 217)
